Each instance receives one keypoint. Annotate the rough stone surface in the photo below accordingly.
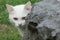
(43, 21)
(45, 14)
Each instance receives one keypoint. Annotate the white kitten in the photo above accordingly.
(18, 13)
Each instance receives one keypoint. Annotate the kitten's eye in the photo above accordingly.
(15, 18)
(23, 18)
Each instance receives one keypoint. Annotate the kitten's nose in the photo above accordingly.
(20, 24)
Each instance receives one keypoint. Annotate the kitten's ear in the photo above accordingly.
(28, 7)
(9, 8)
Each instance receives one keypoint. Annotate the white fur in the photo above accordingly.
(18, 11)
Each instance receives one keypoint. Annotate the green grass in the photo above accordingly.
(7, 31)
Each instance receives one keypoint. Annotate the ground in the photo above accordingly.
(8, 31)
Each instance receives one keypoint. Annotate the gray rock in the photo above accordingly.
(42, 33)
(46, 14)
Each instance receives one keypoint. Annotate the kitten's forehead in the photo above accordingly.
(21, 7)
(19, 16)
(19, 11)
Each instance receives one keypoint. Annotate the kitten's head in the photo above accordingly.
(18, 13)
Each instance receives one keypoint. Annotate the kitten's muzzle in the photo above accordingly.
(20, 24)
